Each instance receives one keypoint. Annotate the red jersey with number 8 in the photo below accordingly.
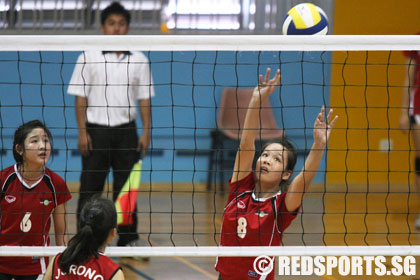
(250, 221)
(26, 216)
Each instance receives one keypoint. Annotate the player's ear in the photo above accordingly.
(19, 149)
(286, 175)
(112, 235)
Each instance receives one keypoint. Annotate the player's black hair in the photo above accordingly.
(115, 8)
(291, 156)
(22, 132)
(97, 219)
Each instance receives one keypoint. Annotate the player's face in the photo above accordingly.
(115, 24)
(37, 148)
(271, 165)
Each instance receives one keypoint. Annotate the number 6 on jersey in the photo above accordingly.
(26, 224)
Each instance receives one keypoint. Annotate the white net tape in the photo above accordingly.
(213, 251)
(215, 43)
(210, 43)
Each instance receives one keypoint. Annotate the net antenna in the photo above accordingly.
(344, 173)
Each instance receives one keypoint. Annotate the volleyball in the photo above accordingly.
(305, 19)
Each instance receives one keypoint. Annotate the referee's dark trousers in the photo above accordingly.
(116, 148)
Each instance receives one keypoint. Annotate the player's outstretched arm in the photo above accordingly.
(299, 185)
(246, 152)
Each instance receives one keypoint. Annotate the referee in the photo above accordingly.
(107, 87)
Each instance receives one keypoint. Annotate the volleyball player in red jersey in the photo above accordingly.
(257, 211)
(30, 194)
(84, 258)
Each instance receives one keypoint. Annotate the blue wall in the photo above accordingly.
(188, 87)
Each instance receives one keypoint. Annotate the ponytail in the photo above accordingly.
(80, 249)
(97, 218)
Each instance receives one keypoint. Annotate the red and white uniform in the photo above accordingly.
(415, 93)
(25, 216)
(248, 221)
(101, 267)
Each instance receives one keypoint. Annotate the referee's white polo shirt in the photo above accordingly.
(112, 85)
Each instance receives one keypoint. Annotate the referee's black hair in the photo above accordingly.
(97, 219)
(115, 8)
(22, 132)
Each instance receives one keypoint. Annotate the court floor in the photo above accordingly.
(187, 215)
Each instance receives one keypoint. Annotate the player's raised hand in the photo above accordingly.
(323, 126)
(266, 86)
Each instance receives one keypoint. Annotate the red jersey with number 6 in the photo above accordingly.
(25, 213)
(251, 221)
(100, 267)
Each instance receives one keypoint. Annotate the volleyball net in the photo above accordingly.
(363, 200)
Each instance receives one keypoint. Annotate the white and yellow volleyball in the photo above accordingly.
(305, 19)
